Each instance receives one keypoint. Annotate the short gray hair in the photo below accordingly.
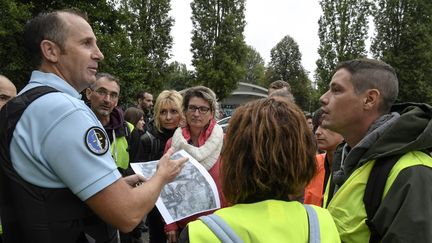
(373, 74)
(107, 76)
(202, 92)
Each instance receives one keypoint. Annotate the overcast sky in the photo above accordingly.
(267, 22)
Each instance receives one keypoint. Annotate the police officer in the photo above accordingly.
(59, 182)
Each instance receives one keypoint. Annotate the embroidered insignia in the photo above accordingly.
(96, 140)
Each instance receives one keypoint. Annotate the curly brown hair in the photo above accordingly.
(269, 152)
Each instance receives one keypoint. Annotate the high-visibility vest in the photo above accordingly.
(347, 207)
(119, 148)
(314, 190)
(267, 221)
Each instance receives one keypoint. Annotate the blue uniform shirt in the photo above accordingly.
(59, 142)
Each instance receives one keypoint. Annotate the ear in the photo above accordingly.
(50, 50)
(371, 99)
(88, 93)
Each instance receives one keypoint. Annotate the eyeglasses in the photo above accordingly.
(202, 109)
(104, 93)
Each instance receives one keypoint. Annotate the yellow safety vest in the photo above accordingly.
(347, 207)
(268, 221)
(119, 149)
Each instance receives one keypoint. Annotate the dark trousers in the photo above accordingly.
(156, 226)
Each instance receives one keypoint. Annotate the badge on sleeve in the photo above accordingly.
(96, 140)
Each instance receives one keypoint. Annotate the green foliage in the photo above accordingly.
(285, 64)
(13, 57)
(218, 45)
(404, 40)
(178, 77)
(145, 51)
(133, 35)
(343, 30)
(255, 67)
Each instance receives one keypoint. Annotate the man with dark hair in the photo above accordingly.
(145, 102)
(327, 142)
(309, 121)
(385, 144)
(58, 181)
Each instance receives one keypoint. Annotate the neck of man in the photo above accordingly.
(105, 120)
(329, 154)
(356, 133)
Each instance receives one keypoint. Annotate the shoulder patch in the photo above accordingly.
(96, 140)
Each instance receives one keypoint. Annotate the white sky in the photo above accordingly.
(267, 22)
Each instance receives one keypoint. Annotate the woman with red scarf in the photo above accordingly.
(202, 138)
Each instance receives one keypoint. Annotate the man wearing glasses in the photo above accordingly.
(103, 96)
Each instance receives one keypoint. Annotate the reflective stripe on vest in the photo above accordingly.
(347, 206)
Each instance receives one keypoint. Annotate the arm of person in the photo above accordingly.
(405, 213)
(123, 205)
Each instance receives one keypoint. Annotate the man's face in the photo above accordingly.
(104, 97)
(327, 139)
(7, 91)
(147, 102)
(342, 107)
(309, 123)
(78, 62)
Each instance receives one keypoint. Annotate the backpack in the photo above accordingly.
(375, 189)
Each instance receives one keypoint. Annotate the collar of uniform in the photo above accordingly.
(39, 78)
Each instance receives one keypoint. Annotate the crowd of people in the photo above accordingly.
(356, 170)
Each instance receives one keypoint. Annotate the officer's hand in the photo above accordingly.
(134, 180)
(169, 169)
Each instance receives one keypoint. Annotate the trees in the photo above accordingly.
(255, 67)
(14, 14)
(178, 77)
(144, 53)
(133, 35)
(218, 47)
(13, 61)
(343, 30)
(285, 64)
(404, 39)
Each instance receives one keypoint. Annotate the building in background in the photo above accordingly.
(244, 93)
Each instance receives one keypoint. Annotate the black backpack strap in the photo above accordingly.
(375, 189)
(15, 107)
